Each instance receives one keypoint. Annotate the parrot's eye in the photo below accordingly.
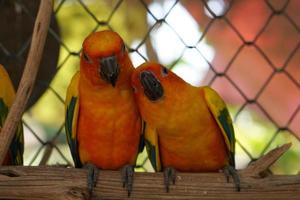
(134, 89)
(86, 58)
(164, 71)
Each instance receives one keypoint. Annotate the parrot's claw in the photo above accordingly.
(230, 171)
(91, 177)
(227, 174)
(127, 178)
(169, 175)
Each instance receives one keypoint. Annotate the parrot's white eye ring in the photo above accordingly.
(164, 71)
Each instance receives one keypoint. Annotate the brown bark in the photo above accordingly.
(69, 183)
(28, 77)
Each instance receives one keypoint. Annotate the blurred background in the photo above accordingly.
(249, 51)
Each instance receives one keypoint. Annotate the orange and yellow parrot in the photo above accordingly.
(188, 128)
(7, 95)
(103, 124)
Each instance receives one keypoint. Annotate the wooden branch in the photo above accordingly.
(69, 183)
(28, 78)
(256, 168)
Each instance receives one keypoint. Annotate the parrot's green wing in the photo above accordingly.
(220, 112)
(72, 111)
(142, 138)
(151, 142)
(17, 146)
(7, 96)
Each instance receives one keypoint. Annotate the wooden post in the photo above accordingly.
(69, 183)
(28, 78)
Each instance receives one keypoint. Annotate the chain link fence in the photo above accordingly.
(249, 51)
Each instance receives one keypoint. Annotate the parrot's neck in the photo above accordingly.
(175, 107)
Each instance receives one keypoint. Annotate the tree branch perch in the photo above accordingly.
(256, 168)
(69, 183)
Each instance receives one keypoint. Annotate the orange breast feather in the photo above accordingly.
(189, 137)
(109, 127)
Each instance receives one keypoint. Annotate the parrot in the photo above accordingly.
(14, 155)
(103, 125)
(188, 128)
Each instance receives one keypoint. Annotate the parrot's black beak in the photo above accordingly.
(152, 87)
(109, 69)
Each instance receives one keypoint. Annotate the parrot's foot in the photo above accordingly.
(230, 171)
(91, 177)
(169, 175)
(127, 177)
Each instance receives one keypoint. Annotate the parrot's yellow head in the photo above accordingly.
(102, 55)
(152, 80)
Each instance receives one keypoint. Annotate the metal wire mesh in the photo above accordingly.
(49, 145)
